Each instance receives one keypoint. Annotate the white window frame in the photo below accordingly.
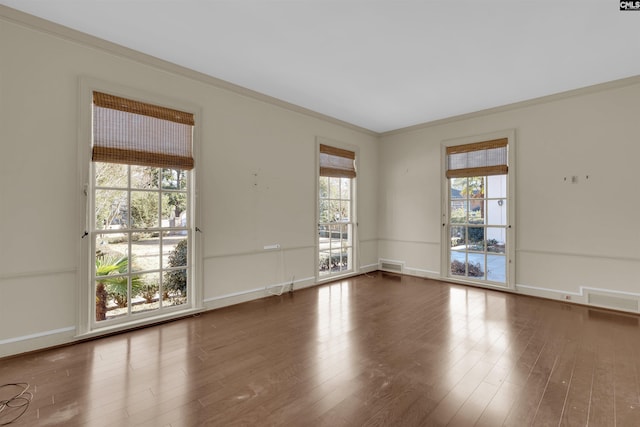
(510, 253)
(354, 227)
(86, 326)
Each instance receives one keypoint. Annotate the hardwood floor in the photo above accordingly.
(376, 350)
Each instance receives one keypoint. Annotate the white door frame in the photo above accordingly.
(511, 208)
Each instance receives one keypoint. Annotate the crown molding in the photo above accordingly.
(600, 87)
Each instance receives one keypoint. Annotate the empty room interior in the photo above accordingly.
(319, 213)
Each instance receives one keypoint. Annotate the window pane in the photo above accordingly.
(102, 300)
(458, 236)
(144, 177)
(324, 214)
(457, 263)
(345, 215)
(475, 267)
(497, 187)
(458, 212)
(347, 234)
(497, 268)
(475, 238)
(347, 259)
(324, 187)
(110, 247)
(112, 294)
(174, 288)
(334, 212)
(145, 289)
(476, 211)
(334, 188)
(475, 187)
(174, 179)
(145, 252)
(175, 251)
(334, 236)
(111, 175)
(323, 234)
(345, 188)
(144, 209)
(339, 260)
(106, 306)
(111, 285)
(174, 209)
(110, 209)
(496, 238)
(497, 212)
(342, 235)
(324, 263)
(457, 185)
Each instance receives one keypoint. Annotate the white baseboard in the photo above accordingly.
(417, 272)
(25, 343)
(369, 268)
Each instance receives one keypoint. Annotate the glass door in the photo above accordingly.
(478, 222)
(335, 226)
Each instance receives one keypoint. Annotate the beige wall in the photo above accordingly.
(569, 237)
(257, 184)
(42, 207)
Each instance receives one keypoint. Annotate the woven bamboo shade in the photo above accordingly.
(337, 162)
(137, 133)
(478, 159)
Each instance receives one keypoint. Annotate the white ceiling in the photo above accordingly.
(378, 64)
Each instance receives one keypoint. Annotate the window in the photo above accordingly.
(141, 210)
(336, 211)
(478, 209)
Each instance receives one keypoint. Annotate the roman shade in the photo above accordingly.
(478, 159)
(136, 133)
(337, 162)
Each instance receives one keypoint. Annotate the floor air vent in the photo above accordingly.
(391, 266)
(615, 302)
